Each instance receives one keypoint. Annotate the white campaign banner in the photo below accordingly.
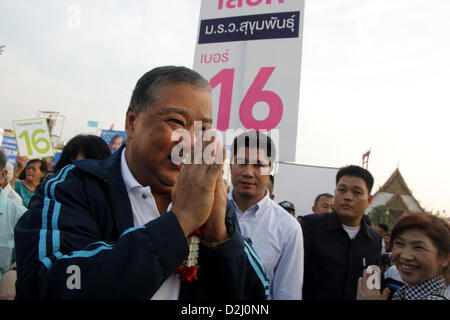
(33, 138)
(250, 51)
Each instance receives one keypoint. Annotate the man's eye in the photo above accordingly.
(262, 165)
(179, 122)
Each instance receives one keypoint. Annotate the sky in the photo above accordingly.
(374, 75)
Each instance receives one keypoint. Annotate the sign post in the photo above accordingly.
(250, 51)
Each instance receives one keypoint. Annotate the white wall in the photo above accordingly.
(300, 184)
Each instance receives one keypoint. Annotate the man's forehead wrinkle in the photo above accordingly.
(183, 112)
(172, 109)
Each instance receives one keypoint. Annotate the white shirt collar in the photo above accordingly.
(128, 178)
(255, 207)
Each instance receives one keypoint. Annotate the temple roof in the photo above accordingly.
(395, 194)
(395, 184)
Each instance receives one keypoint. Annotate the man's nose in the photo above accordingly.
(189, 139)
(194, 138)
(248, 170)
(348, 196)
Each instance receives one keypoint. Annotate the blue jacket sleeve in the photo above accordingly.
(62, 251)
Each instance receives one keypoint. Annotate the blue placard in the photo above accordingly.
(57, 157)
(9, 145)
(93, 124)
(114, 138)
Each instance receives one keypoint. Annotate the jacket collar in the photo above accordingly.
(333, 223)
(109, 171)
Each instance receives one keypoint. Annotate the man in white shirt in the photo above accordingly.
(6, 176)
(10, 213)
(276, 236)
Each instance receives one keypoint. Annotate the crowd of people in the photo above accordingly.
(134, 224)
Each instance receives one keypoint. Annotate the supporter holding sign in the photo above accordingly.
(33, 173)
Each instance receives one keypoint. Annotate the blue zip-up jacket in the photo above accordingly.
(80, 224)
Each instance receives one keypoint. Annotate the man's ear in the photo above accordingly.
(3, 177)
(370, 199)
(130, 122)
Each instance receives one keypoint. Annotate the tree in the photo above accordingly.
(379, 215)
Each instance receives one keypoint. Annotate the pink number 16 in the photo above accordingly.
(254, 94)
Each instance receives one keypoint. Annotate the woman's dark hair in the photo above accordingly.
(90, 146)
(435, 228)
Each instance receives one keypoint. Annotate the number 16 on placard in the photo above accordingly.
(33, 138)
(255, 94)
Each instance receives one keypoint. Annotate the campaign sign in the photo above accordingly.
(9, 145)
(33, 138)
(250, 51)
(113, 138)
(57, 157)
(92, 124)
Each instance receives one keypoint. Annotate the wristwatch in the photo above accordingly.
(229, 224)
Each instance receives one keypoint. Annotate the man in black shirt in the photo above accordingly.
(338, 245)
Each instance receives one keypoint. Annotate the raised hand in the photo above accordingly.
(194, 192)
(214, 229)
(364, 293)
(20, 160)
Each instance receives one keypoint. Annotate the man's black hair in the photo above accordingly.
(316, 201)
(254, 139)
(384, 227)
(145, 93)
(356, 171)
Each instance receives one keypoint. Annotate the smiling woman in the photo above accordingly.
(421, 253)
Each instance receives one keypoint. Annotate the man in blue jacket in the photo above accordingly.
(117, 228)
